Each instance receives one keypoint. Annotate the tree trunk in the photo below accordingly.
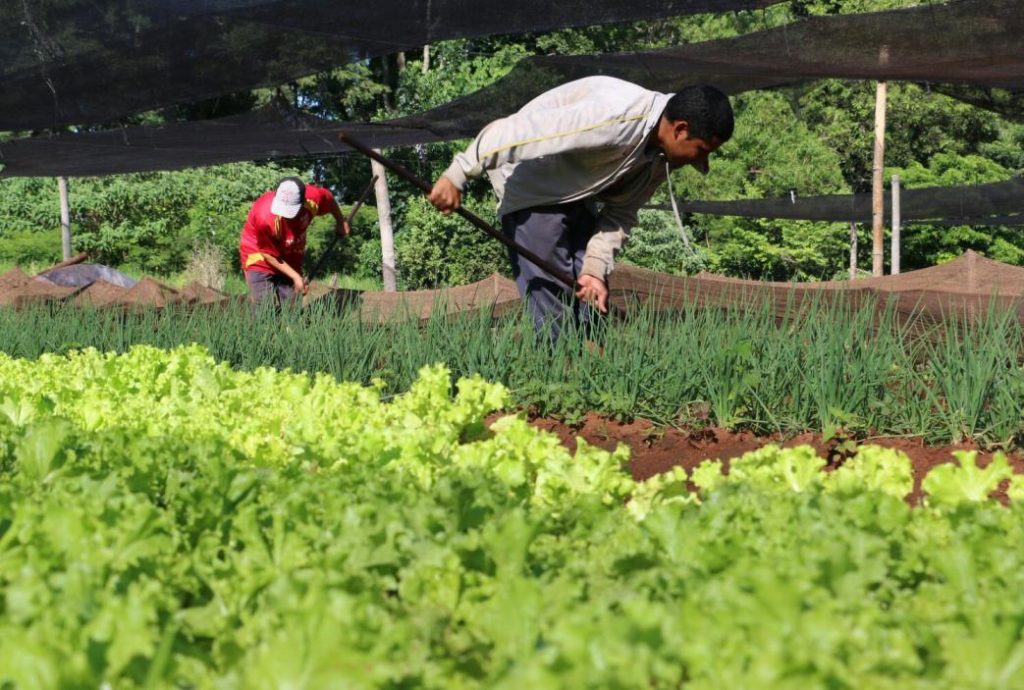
(387, 79)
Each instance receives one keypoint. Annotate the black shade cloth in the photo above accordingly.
(964, 42)
(272, 132)
(955, 205)
(87, 61)
(990, 221)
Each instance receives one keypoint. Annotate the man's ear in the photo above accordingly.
(681, 129)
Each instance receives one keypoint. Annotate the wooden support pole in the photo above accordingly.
(853, 251)
(877, 184)
(897, 229)
(426, 58)
(387, 236)
(65, 219)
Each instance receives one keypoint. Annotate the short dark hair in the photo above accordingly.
(706, 109)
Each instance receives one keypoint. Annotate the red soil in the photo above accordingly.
(654, 450)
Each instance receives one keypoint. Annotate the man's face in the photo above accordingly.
(682, 149)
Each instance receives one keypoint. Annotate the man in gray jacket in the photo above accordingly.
(572, 168)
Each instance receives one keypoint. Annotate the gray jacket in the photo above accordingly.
(588, 139)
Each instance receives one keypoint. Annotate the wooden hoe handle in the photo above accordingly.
(476, 220)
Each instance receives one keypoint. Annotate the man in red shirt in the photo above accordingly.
(273, 241)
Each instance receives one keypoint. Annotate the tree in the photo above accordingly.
(926, 245)
(771, 154)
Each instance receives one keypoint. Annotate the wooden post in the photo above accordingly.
(387, 237)
(426, 58)
(853, 251)
(897, 228)
(877, 184)
(65, 219)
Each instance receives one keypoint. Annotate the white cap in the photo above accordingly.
(287, 200)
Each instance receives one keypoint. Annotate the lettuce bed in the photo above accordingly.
(166, 521)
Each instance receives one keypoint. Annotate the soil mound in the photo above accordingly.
(655, 450)
(199, 293)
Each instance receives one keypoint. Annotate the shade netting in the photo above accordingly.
(953, 205)
(963, 44)
(80, 61)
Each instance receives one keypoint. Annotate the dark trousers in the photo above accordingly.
(266, 286)
(558, 234)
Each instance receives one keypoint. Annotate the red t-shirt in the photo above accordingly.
(282, 238)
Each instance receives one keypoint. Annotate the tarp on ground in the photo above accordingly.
(965, 42)
(81, 275)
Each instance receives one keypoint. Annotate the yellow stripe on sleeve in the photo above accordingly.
(253, 258)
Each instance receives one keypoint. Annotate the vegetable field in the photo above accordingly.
(170, 521)
(839, 370)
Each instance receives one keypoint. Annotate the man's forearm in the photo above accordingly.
(281, 267)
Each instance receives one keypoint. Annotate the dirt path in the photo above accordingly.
(654, 450)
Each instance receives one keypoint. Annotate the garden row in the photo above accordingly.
(168, 521)
(838, 369)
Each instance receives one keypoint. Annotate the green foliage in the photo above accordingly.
(815, 139)
(843, 370)
(30, 248)
(949, 168)
(349, 254)
(807, 8)
(1008, 150)
(655, 244)
(341, 540)
(778, 250)
(919, 125)
(29, 204)
(770, 154)
(370, 260)
(346, 92)
(456, 68)
(145, 221)
(927, 245)
(952, 485)
(433, 249)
